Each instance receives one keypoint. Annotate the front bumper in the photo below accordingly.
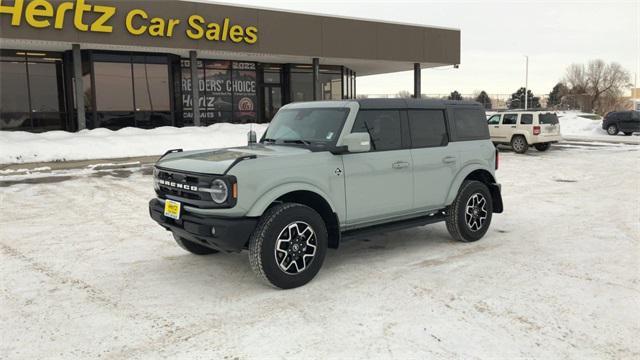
(231, 234)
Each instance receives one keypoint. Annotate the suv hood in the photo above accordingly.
(219, 161)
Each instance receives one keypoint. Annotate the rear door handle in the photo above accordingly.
(513, 127)
(400, 165)
(449, 160)
(497, 126)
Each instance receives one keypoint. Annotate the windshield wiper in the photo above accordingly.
(269, 140)
(297, 141)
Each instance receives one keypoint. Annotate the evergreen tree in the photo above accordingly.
(484, 99)
(455, 95)
(555, 96)
(517, 100)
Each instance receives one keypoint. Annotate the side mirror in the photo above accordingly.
(357, 142)
(252, 137)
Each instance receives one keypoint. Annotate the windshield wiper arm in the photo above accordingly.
(298, 141)
(269, 140)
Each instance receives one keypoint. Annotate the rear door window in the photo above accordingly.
(548, 119)
(526, 119)
(509, 119)
(428, 128)
(383, 126)
(470, 124)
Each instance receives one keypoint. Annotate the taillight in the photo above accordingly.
(536, 130)
(497, 159)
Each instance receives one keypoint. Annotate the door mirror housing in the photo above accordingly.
(252, 138)
(357, 142)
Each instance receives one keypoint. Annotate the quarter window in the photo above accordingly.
(428, 128)
(526, 119)
(383, 126)
(509, 119)
(470, 124)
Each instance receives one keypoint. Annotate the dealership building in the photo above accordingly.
(76, 64)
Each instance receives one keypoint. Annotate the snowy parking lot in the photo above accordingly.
(86, 273)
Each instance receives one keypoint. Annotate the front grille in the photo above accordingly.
(185, 195)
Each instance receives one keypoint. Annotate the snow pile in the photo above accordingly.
(573, 124)
(24, 147)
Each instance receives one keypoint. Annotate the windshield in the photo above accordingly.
(548, 119)
(307, 126)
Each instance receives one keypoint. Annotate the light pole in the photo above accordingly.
(526, 84)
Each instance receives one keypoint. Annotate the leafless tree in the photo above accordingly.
(598, 79)
(404, 94)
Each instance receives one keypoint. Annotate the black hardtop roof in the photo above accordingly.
(413, 103)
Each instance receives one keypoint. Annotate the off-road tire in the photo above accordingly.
(192, 247)
(263, 241)
(628, 133)
(542, 146)
(519, 144)
(456, 221)
(612, 129)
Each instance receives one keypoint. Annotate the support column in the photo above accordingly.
(195, 87)
(79, 87)
(417, 81)
(316, 79)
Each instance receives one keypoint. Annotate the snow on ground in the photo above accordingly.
(87, 274)
(23, 147)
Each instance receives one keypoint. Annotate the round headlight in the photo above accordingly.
(219, 191)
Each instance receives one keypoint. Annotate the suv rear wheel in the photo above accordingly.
(288, 246)
(469, 217)
(519, 144)
(612, 129)
(542, 146)
(192, 247)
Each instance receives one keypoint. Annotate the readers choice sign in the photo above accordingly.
(227, 91)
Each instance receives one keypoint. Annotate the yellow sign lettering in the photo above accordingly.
(106, 13)
(35, 11)
(15, 11)
(196, 32)
(60, 13)
(129, 22)
(251, 35)
(81, 7)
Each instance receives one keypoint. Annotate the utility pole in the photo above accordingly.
(526, 84)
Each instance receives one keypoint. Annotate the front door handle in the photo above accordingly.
(449, 160)
(400, 165)
(497, 126)
(513, 127)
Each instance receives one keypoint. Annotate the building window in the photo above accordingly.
(131, 90)
(228, 92)
(31, 91)
(301, 79)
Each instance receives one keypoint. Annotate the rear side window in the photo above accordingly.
(509, 119)
(428, 128)
(526, 119)
(383, 126)
(548, 119)
(470, 124)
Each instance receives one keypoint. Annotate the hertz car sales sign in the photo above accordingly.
(42, 14)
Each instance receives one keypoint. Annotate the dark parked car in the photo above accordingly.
(626, 121)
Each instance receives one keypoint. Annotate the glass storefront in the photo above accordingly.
(129, 89)
(227, 89)
(32, 94)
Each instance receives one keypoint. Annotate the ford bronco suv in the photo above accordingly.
(328, 172)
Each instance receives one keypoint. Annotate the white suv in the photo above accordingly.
(523, 128)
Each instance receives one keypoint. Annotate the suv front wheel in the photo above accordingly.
(612, 129)
(469, 217)
(288, 246)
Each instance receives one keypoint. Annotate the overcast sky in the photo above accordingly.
(495, 38)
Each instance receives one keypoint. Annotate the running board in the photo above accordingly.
(392, 226)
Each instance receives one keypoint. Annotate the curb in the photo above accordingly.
(96, 164)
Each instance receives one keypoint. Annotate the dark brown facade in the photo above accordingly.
(265, 58)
